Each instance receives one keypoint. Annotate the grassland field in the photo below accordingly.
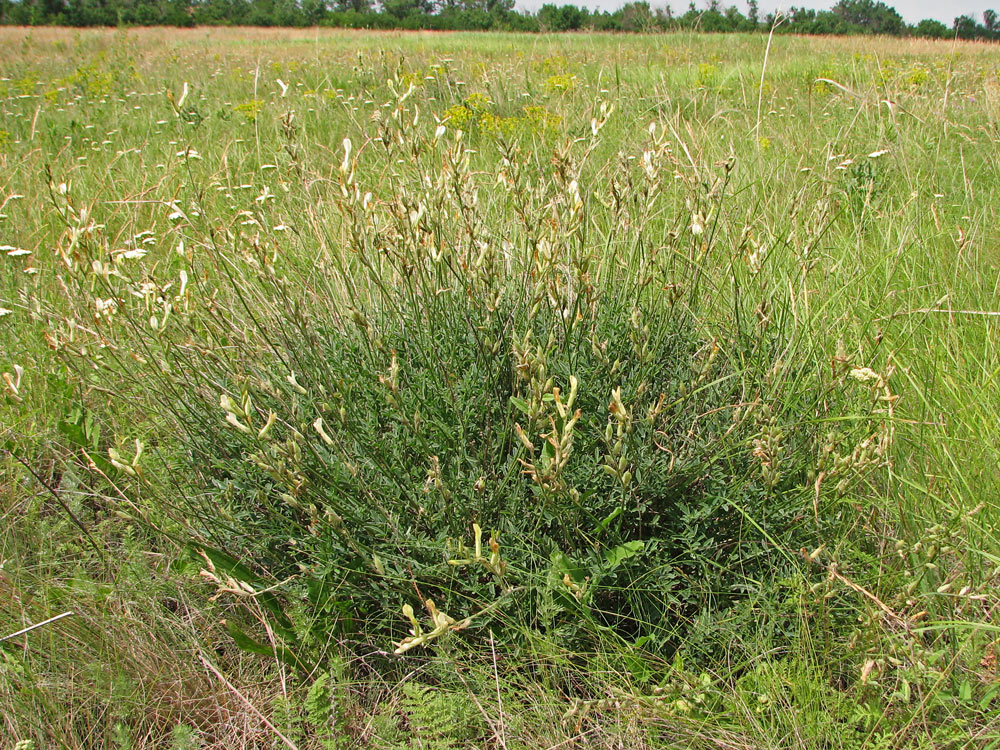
(456, 390)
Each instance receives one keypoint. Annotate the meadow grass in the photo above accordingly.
(285, 313)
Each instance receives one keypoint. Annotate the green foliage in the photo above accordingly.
(931, 29)
(863, 185)
(431, 717)
(447, 383)
(873, 16)
(249, 110)
(478, 113)
(413, 715)
(846, 17)
(328, 708)
(184, 737)
(319, 702)
(707, 75)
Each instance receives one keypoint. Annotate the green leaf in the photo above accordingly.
(248, 644)
(617, 555)
(548, 450)
(520, 404)
(990, 696)
(608, 519)
(965, 690)
(245, 642)
(73, 432)
(92, 429)
(639, 668)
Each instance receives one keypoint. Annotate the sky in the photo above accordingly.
(911, 10)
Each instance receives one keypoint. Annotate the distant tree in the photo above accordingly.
(47, 11)
(990, 21)
(966, 27)
(358, 6)
(872, 16)
(691, 17)
(713, 21)
(566, 18)
(931, 29)
(828, 22)
(737, 21)
(846, 17)
(636, 16)
(404, 8)
(314, 11)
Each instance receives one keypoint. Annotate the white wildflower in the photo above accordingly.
(318, 426)
(574, 193)
(348, 146)
(176, 213)
(647, 164)
(14, 381)
(698, 223)
(865, 375)
(105, 307)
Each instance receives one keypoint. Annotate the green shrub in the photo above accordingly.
(427, 376)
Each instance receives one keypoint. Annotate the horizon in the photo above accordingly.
(912, 11)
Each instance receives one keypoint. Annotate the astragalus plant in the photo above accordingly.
(448, 399)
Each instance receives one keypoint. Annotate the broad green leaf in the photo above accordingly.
(617, 555)
(520, 404)
(248, 644)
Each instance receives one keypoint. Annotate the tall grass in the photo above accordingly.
(619, 415)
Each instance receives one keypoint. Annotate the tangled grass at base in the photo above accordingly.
(457, 392)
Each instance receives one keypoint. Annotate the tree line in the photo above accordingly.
(846, 17)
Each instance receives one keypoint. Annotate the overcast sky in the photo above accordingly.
(911, 10)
